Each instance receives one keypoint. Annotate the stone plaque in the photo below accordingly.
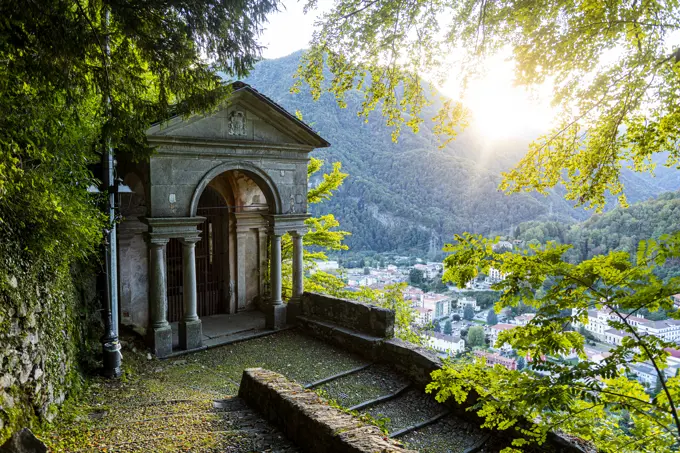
(237, 123)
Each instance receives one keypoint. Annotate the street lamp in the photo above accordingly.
(110, 343)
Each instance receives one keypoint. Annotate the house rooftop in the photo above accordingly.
(444, 337)
(673, 352)
(662, 324)
(431, 297)
(617, 332)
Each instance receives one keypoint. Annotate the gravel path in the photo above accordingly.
(188, 403)
(168, 405)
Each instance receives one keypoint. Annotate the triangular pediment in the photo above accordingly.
(247, 116)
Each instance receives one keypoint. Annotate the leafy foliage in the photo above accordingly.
(468, 312)
(323, 236)
(617, 230)
(521, 363)
(79, 75)
(612, 65)
(491, 318)
(475, 337)
(410, 196)
(82, 73)
(415, 276)
(583, 398)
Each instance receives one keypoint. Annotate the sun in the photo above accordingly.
(500, 110)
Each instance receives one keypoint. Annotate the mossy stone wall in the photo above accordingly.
(45, 316)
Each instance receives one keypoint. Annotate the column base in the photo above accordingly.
(161, 341)
(275, 316)
(293, 310)
(190, 334)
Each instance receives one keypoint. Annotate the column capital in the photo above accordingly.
(190, 240)
(298, 232)
(173, 227)
(129, 229)
(156, 241)
(282, 224)
(246, 221)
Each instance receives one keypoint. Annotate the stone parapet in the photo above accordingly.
(326, 318)
(345, 338)
(362, 318)
(415, 362)
(308, 420)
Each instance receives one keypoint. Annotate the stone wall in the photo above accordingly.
(329, 319)
(309, 421)
(362, 318)
(43, 325)
(133, 276)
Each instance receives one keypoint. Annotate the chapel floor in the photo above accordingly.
(225, 329)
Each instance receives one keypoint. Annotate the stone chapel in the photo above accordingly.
(201, 231)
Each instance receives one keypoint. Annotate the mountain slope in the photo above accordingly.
(412, 195)
(618, 229)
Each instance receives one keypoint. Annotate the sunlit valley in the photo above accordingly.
(256, 227)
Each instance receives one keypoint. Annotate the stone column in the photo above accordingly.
(190, 328)
(160, 333)
(262, 238)
(241, 237)
(275, 318)
(298, 271)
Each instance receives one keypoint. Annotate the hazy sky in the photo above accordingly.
(290, 29)
(498, 107)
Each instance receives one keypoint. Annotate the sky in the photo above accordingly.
(498, 108)
(289, 30)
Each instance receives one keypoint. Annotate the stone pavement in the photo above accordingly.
(189, 403)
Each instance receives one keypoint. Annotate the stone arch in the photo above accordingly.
(261, 178)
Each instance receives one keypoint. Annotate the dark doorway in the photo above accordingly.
(211, 261)
(211, 253)
(173, 266)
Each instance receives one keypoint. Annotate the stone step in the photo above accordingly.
(201, 426)
(410, 408)
(368, 384)
(407, 409)
(450, 434)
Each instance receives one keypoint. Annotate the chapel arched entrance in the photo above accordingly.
(231, 256)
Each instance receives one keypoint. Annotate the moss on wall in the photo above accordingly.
(47, 318)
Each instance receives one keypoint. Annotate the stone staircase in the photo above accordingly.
(175, 425)
(409, 415)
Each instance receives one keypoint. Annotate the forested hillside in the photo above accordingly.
(412, 195)
(619, 229)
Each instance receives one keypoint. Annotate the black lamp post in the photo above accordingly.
(112, 356)
(113, 187)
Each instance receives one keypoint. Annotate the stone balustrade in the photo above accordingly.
(308, 420)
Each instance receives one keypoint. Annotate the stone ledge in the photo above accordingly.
(416, 362)
(360, 317)
(307, 420)
(345, 338)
